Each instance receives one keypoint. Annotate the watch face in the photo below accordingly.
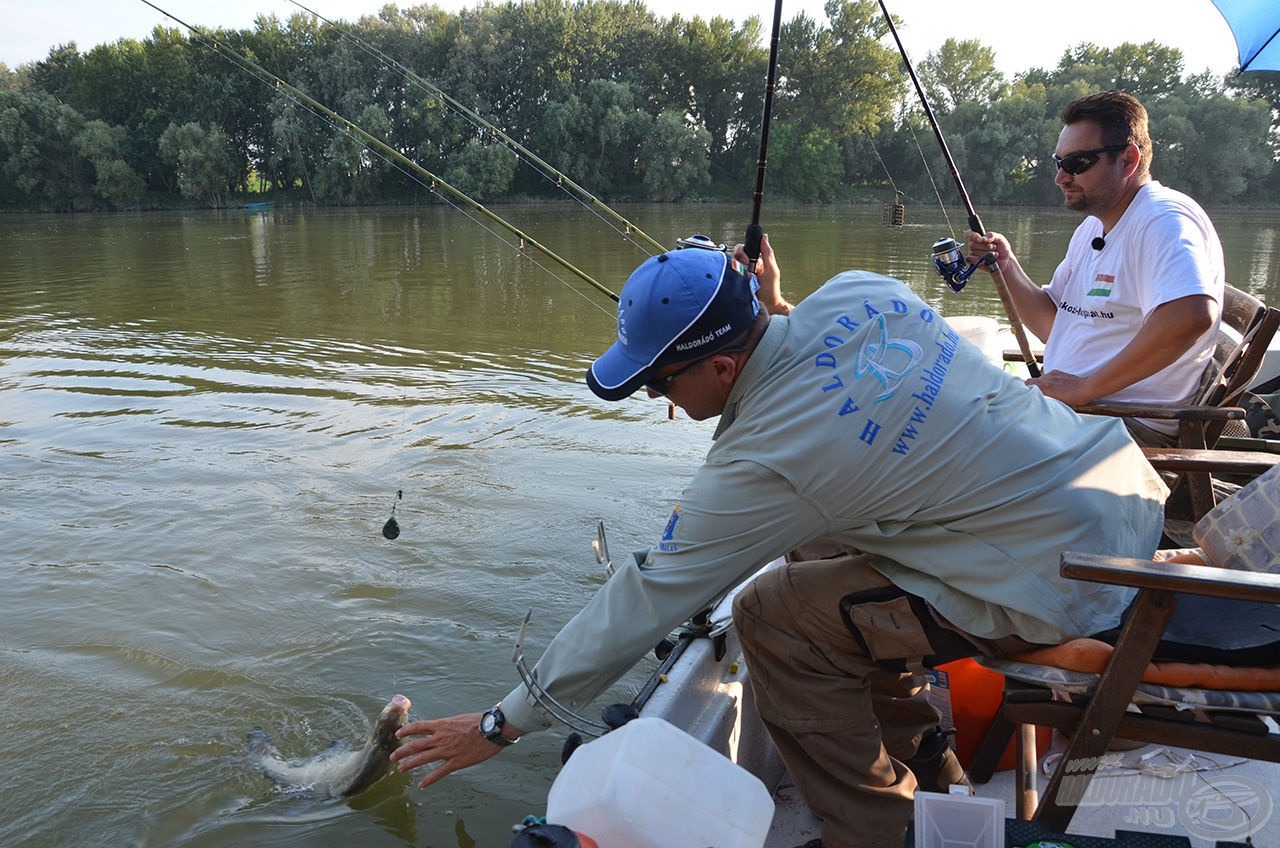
(488, 723)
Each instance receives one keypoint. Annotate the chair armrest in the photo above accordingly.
(1249, 463)
(1165, 411)
(1248, 443)
(1172, 577)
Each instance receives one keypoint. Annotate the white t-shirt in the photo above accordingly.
(1163, 248)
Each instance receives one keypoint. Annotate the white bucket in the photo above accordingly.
(649, 784)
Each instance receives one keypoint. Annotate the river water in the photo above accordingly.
(205, 420)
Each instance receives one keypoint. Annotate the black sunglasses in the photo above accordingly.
(1077, 163)
(662, 385)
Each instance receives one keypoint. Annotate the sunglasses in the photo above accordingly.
(1077, 163)
(662, 385)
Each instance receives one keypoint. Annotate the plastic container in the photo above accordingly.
(968, 697)
(982, 331)
(958, 821)
(649, 784)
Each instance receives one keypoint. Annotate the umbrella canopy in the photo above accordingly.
(1256, 27)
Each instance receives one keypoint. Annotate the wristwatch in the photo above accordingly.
(491, 724)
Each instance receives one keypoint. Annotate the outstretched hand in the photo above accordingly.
(454, 742)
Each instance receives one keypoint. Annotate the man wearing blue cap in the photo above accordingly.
(924, 493)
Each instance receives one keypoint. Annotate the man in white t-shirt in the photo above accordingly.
(1132, 312)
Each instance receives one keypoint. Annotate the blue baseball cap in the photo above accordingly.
(677, 306)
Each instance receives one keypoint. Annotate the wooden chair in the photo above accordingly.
(1248, 326)
(1221, 722)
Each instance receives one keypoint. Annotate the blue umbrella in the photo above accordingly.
(1255, 25)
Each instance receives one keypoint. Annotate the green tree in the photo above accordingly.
(625, 103)
(41, 166)
(1213, 148)
(841, 78)
(716, 74)
(352, 172)
(960, 72)
(206, 162)
(481, 171)
(1001, 148)
(296, 147)
(674, 158)
(1148, 71)
(54, 74)
(596, 137)
(807, 164)
(1265, 86)
(114, 181)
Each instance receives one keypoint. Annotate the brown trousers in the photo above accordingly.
(837, 656)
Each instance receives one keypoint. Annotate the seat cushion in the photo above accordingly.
(1091, 656)
(1082, 683)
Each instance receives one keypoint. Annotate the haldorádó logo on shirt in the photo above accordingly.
(890, 361)
(877, 358)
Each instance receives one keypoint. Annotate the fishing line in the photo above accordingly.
(924, 160)
(255, 69)
(947, 253)
(516, 247)
(601, 210)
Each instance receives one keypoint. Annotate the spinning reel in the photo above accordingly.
(948, 258)
(702, 242)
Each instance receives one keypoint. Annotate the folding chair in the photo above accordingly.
(1248, 326)
(1098, 706)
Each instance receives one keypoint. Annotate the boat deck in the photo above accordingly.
(1153, 797)
(1201, 807)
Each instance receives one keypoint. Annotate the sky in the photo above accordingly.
(1023, 33)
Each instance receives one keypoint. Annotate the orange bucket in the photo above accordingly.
(969, 695)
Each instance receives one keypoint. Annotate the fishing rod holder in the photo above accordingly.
(948, 259)
(561, 713)
(543, 698)
(709, 623)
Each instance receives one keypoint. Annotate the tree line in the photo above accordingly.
(628, 104)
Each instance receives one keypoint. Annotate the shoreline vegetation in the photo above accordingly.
(170, 122)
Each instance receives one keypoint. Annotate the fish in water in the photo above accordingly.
(340, 770)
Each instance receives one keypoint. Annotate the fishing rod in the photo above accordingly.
(947, 255)
(383, 148)
(561, 180)
(751, 243)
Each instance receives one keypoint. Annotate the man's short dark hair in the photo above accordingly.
(1121, 117)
